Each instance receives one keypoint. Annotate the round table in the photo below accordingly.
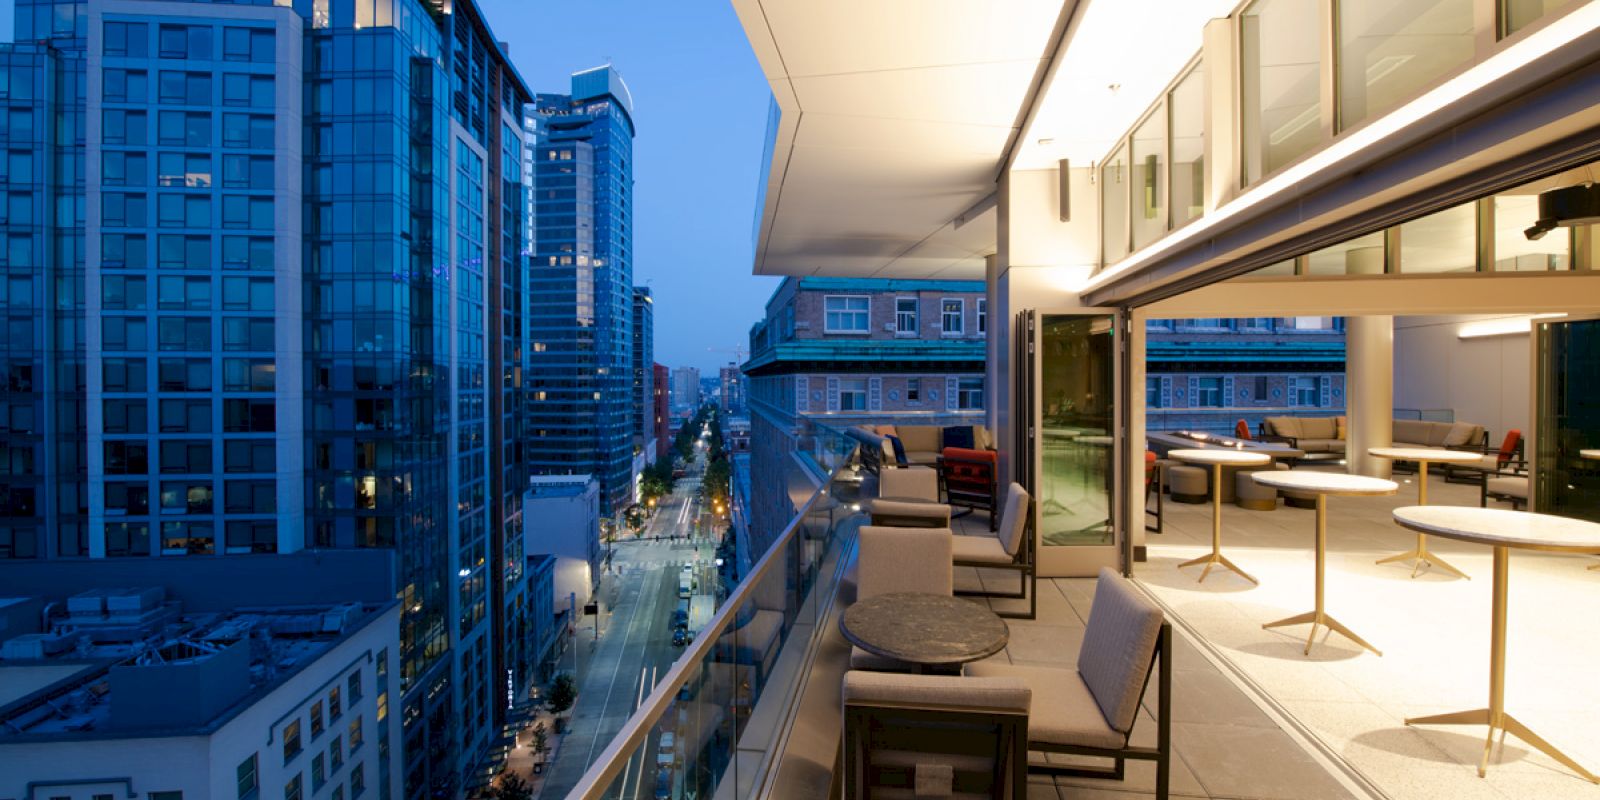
(1218, 458)
(929, 630)
(1502, 529)
(1323, 484)
(1423, 456)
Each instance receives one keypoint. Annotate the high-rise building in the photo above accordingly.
(580, 419)
(661, 415)
(731, 399)
(685, 389)
(643, 368)
(264, 265)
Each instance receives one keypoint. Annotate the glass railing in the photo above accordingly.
(715, 723)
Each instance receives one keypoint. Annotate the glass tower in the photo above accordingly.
(265, 290)
(581, 281)
(644, 359)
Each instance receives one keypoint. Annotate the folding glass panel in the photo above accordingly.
(1149, 162)
(1442, 242)
(1114, 179)
(1187, 104)
(1281, 98)
(1389, 50)
(1075, 486)
(1566, 480)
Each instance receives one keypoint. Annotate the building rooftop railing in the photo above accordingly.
(715, 723)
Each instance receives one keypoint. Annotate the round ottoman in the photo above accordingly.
(1254, 496)
(1188, 484)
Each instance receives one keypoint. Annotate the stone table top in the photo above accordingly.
(1594, 454)
(1425, 454)
(1503, 527)
(1326, 482)
(1236, 458)
(920, 628)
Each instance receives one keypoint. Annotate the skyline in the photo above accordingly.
(696, 87)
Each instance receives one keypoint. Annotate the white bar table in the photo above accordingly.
(1424, 455)
(1217, 459)
(1502, 529)
(1323, 484)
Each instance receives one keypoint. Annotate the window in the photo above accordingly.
(252, 536)
(1360, 256)
(952, 311)
(248, 44)
(192, 334)
(185, 416)
(1515, 252)
(124, 374)
(250, 497)
(1445, 241)
(1260, 391)
(847, 314)
(1389, 50)
(164, 795)
(253, 91)
(905, 316)
(1152, 392)
(1188, 177)
(852, 394)
(184, 374)
(353, 688)
(291, 748)
(353, 731)
(335, 753)
(983, 315)
(130, 128)
(186, 498)
(1281, 98)
(127, 498)
(335, 708)
(294, 790)
(1207, 393)
(1114, 179)
(125, 85)
(248, 455)
(184, 128)
(1305, 390)
(316, 719)
(247, 778)
(969, 393)
(191, 42)
(191, 457)
(913, 390)
(130, 39)
(185, 88)
(249, 375)
(358, 778)
(319, 772)
(1147, 166)
(122, 293)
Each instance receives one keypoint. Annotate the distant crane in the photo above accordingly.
(740, 351)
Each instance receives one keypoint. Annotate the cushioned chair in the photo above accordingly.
(1508, 458)
(1012, 548)
(970, 479)
(935, 736)
(1241, 430)
(1090, 711)
(898, 493)
(1510, 487)
(900, 560)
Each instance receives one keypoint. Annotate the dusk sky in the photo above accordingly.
(700, 105)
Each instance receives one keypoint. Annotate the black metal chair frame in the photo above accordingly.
(1010, 728)
(1161, 753)
(1025, 562)
(970, 499)
(1484, 495)
(1155, 484)
(1476, 475)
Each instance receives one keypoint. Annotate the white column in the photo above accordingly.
(1369, 392)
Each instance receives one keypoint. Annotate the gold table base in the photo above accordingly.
(1320, 616)
(1495, 715)
(1215, 557)
(1421, 555)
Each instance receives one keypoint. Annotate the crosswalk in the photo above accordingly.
(652, 564)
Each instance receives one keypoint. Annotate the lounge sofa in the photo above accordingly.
(923, 444)
(1322, 435)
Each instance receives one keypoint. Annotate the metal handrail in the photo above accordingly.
(597, 779)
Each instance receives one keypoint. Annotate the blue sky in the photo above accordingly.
(700, 105)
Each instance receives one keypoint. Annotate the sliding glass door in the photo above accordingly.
(1566, 452)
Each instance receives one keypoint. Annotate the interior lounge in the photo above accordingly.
(1370, 581)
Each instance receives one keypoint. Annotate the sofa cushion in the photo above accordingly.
(895, 513)
(1321, 445)
(1318, 428)
(1014, 518)
(1409, 431)
(982, 548)
(1463, 433)
(937, 691)
(1283, 426)
(887, 430)
(1062, 711)
(958, 436)
(1341, 427)
(921, 483)
(1509, 486)
(923, 438)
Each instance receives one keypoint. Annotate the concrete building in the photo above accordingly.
(564, 522)
(685, 389)
(661, 415)
(732, 391)
(121, 692)
(581, 416)
(643, 372)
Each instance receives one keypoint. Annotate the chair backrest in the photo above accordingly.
(965, 466)
(918, 482)
(904, 560)
(1014, 518)
(1119, 644)
(1241, 430)
(1150, 459)
(1508, 448)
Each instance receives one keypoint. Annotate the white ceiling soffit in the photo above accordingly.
(895, 117)
(1114, 67)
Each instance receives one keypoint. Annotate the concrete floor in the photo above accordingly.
(1433, 631)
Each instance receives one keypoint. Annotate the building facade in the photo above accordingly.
(642, 371)
(685, 389)
(661, 417)
(1207, 374)
(732, 391)
(580, 418)
(257, 278)
(847, 351)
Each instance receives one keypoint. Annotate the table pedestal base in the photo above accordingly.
(1506, 724)
(1316, 618)
(1595, 568)
(1213, 559)
(1216, 557)
(1421, 556)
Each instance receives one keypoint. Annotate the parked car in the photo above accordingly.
(663, 784)
(680, 619)
(680, 637)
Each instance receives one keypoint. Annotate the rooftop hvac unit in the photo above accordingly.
(35, 646)
(340, 618)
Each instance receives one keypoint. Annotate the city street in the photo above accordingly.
(634, 648)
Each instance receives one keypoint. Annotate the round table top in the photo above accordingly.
(1594, 454)
(924, 628)
(1229, 457)
(1425, 454)
(1100, 440)
(1062, 433)
(1340, 483)
(1504, 527)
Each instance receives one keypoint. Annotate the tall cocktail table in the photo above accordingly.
(1424, 455)
(1323, 484)
(1502, 529)
(1218, 458)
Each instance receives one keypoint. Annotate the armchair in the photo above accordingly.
(970, 479)
(909, 498)
(1509, 458)
(900, 560)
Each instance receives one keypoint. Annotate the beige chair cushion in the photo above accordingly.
(1319, 428)
(1063, 712)
(1187, 479)
(1283, 426)
(1118, 643)
(1009, 694)
(895, 513)
(918, 482)
(904, 560)
(1509, 486)
(1014, 518)
(1321, 445)
(982, 548)
(921, 438)
(981, 439)
(1489, 462)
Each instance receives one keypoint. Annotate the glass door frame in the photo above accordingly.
(1073, 560)
(1540, 452)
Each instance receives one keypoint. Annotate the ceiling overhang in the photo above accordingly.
(893, 122)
